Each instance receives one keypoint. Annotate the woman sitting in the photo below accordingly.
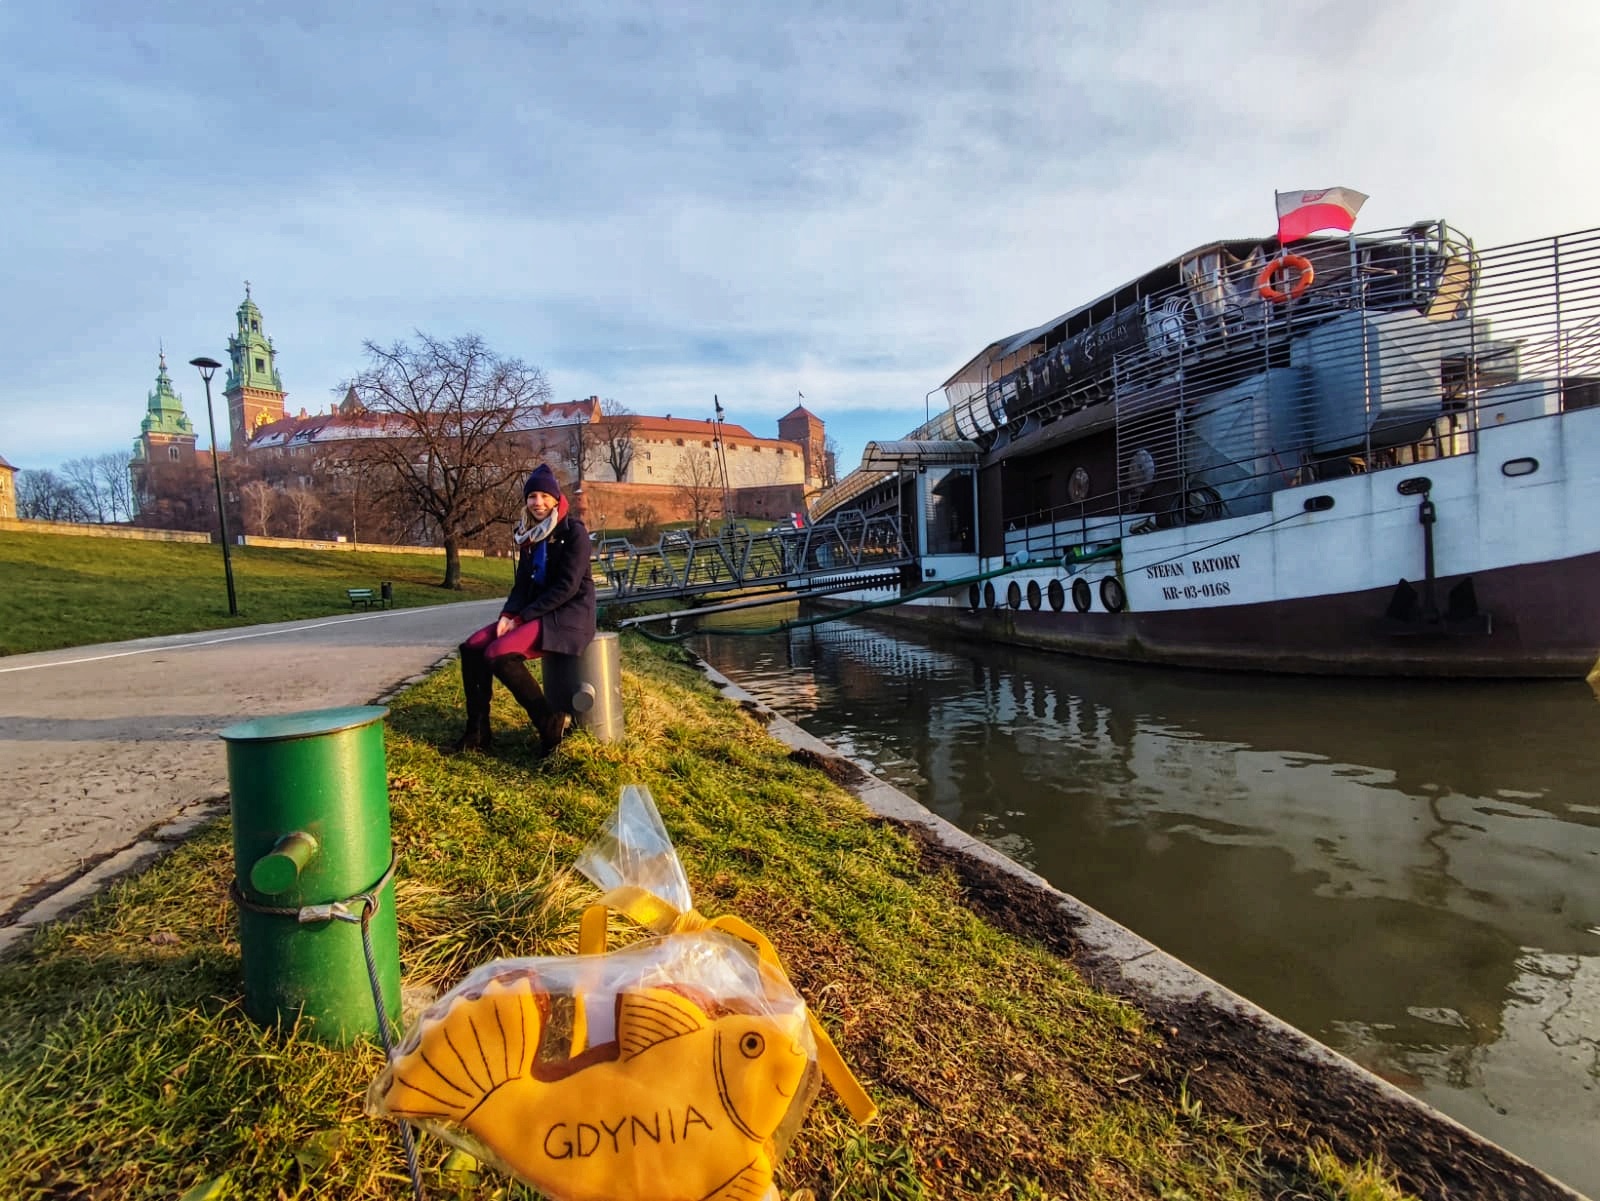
(551, 609)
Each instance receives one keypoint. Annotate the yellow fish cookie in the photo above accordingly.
(681, 1107)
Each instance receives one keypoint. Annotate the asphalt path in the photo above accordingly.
(101, 745)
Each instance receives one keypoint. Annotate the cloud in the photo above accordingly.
(659, 203)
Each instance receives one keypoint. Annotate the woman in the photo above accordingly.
(550, 610)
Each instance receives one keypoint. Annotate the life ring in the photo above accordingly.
(1300, 264)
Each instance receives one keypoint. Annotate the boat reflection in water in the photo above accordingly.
(1409, 872)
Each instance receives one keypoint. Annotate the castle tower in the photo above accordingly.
(166, 438)
(254, 390)
(801, 425)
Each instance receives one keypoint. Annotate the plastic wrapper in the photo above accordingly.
(676, 1069)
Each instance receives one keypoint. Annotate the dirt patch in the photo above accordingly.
(1233, 1063)
(838, 769)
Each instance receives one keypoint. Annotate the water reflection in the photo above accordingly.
(1406, 870)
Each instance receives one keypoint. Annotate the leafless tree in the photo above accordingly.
(698, 486)
(615, 433)
(830, 461)
(259, 499)
(303, 505)
(451, 409)
(101, 485)
(643, 521)
(42, 495)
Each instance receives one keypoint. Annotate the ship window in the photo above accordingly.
(1524, 466)
(1078, 485)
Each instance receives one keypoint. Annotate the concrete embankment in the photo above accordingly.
(1242, 1045)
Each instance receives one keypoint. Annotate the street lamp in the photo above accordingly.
(722, 455)
(208, 368)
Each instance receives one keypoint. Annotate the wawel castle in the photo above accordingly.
(286, 451)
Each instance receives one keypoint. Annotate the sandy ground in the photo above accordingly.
(102, 744)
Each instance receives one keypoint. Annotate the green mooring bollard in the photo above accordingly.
(310, 803)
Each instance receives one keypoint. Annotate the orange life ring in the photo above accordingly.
(1301, 264)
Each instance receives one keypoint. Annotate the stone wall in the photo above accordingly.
(85, 530)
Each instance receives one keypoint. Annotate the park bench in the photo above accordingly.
(366, 597)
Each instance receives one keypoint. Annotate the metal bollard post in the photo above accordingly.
(310, 800)
(589, 686)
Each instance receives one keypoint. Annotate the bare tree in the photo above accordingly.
(615, 433)
(450, 411)
(698, 487)
(259, 498)
(643, 520)
(830, 461)
(42, 495)
(304, 505)
(101, 485)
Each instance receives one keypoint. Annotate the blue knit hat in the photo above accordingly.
(542, 480)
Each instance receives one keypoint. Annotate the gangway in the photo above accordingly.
(848, 550)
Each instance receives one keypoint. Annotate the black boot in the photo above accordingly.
(549, 721)
(477, 685)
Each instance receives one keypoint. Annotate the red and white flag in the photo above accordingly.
(1302, 213)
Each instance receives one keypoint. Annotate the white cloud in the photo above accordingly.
(657, 205)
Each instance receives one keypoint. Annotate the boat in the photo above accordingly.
(1373, 453)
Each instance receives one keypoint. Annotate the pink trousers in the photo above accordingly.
(520, 643)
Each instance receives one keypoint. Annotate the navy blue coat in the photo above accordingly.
(565, 604)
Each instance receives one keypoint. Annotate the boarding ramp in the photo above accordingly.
(848, 550)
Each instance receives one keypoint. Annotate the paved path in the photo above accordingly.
(100, 745)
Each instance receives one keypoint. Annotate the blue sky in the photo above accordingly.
(656, 203)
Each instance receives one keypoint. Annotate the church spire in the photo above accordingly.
(254, 388)
(164, 407)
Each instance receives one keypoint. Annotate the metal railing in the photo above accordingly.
(849, 545)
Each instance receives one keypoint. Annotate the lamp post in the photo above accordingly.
(208, 368)
(722, 456)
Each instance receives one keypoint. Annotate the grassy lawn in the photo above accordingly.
(70, 591)
(128, 1070)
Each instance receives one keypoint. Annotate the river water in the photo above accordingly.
(1409, 872)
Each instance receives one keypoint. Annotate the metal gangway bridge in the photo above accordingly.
(848, 550)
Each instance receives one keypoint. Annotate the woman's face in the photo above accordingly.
(540, 504)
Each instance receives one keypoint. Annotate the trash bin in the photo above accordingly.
(386, 594)
(589, 686)
(310, 802)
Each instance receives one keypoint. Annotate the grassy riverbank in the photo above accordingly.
(127, 1069)
(70, 591)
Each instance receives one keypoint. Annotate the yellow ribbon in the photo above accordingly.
(654, 914)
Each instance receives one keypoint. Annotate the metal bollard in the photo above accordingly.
(310, 800)
(589, 686)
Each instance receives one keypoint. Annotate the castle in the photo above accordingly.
(275, 451)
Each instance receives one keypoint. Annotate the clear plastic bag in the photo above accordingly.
(675, 1069)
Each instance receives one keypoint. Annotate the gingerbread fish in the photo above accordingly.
(681, 1107)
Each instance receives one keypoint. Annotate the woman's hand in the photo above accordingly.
(505, 625)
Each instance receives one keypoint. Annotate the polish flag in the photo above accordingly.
(1302, 213)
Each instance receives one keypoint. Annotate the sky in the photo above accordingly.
(658, 203)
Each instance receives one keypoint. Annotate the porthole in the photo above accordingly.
(1078, 485)
(1318, 504)
(1523, 466)
(1014, 595)
(988, 595)
(1058, 596)
(1082, 598)
(1035, 597)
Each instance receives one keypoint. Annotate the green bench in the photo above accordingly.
(366, 597)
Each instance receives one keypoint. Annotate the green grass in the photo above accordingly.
(72, 591)
(127, 1069)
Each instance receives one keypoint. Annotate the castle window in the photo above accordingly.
(649, 470)
(255, 326)
(173, 452)
(261, 364)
